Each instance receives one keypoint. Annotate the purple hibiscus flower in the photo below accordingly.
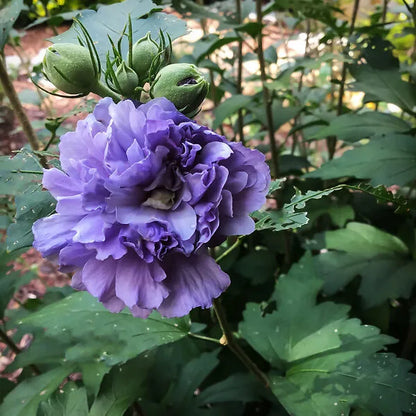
(143, 192)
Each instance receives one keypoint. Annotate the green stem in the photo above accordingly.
(229, 250)
(52, 138)
(229, 340)
(267, 102)
(240, 74)
(18, 109)
(103, 91)
(332, 141)
(203, 337)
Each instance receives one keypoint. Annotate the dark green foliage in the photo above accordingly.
(327, 362)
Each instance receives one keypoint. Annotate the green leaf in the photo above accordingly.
(381, 382)
(111, 20)
(68, 401)
(353, 127)
(8, 15)
(281, 114)
(180, 397)
(6, 386)
(17, 173)
(258, 266)
(288, 217)
(121, 387)
(339, 214)
(240, 387)
(209, 44)
(329, 360)
(383, 196)
(229, 107)
(116, 337)
(381, 259)
(384, 85)
(24, 399)
(385, 161)
(9, 284)
(29, 208)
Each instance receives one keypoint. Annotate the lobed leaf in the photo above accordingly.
(328, 360)
(387, 160)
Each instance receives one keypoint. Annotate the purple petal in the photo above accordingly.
(192, 281)
(99, 277)
(215, 151)
(60, 184)
(139, 283)
(90, 229)
(74, 255)
(52, 233)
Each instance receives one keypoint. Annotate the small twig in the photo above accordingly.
(19, 110)
(230, 341)
(332, 142)
(267, 102)
(240, 120)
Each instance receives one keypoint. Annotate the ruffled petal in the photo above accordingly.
(52, 233)
(192, 281)
(89, 229)
(99, 278)
(139, 283)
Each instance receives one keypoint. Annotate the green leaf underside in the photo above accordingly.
(389, 160)
(329, 360)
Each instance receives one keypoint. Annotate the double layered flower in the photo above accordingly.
(142, 193)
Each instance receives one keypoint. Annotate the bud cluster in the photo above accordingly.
(76, 69)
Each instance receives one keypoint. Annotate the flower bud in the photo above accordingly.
(183, 85)
(127, 80)
(70, 68)
(143, 53)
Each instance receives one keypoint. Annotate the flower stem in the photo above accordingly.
(267, 101)
(229, 250)
(229, 340)
(103, 91)
(18, 109)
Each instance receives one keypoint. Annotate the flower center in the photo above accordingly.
(160, 199)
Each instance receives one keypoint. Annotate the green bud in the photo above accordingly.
(143, 53)
(127, 80)
(70, 68)
(184, 85)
